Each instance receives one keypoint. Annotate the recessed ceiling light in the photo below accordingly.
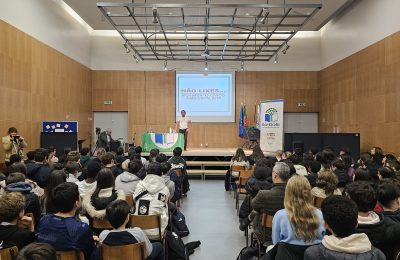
(170, 13)
(247, 14)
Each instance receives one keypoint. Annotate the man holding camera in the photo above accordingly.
(13, 144)
(105, 139)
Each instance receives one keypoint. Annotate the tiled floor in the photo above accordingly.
(211, 217)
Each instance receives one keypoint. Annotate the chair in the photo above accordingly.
(147, 222)
(133, 251)
(266, 223)
(101, 224)
(70, 255)
(234, 168)
(318, 202)
(8, 253)
(129, 199)
(244, 176)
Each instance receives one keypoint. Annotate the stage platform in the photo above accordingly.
(211, 152)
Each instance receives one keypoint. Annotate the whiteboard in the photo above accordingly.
(117, 121)
(300, 122)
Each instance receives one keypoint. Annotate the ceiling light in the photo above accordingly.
(126, 48)
(247, 14)
(165, 65)
(242, 66)
(264, 18)
(276, 59)
(206, 66)
(155, 14)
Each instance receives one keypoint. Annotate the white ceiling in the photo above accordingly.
(89, 12)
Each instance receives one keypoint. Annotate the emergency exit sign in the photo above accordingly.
(107, 102)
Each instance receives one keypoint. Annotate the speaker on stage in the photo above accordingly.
(298, 147)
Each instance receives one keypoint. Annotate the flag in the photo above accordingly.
(241, 121)
(245, 118)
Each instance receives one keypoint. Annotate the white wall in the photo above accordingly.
(49, 22)
(363, 24)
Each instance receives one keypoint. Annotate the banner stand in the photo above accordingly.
(271, 125)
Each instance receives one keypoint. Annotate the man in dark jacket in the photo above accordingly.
(340, 216)
(383, 232)
(40, 171)
(271, 200)
(338, 167)
(389, 197)
(177, 162)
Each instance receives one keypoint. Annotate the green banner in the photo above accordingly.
(165, 142)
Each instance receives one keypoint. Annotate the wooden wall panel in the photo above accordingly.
(38, 83)
(151, 100)
(361, 93)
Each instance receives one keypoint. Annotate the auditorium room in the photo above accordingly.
(199, 129)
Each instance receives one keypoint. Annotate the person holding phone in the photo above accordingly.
(183, 125)
(13, 143)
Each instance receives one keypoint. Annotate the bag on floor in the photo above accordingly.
(248, 253)
(179, 224)
(176, 247)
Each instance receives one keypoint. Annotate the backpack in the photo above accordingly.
(176, 247)
(179, 224)
(248, 253)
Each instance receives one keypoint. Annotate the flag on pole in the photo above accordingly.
(245, 118)
(241, 120)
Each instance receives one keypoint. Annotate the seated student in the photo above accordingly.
(88, 185)
(108, 160)
(99, 153)
(40, 171)
(313, 168)
(386, 173)
(239, 159)
(395, 166)
(338, 167)
(348, 165)
(119, 155)
(153, 154)
(30, 157)
(326, 185)
(300, 169)
(171, 179)
(63, 157)
(299, 223)
(388, 196)
(151, 197)
(63, 230)
(128, 180)
(94, 204)
(138, 151)
(16, 183)
(85, 158)
(72, 169)
(177, 162)
(56, 177)
(21, 167)
(11, 212)
(166, 168)
(340, 216)
(37, 251)
(307, 158)
(118, 216)
(384, 233)
(256, 155)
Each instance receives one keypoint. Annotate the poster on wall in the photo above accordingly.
(60, 127)
(271, 125)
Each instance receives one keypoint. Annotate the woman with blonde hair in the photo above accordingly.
(299, 223)
(327, 184)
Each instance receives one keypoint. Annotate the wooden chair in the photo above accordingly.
(133, 251)
(70, 255)
(244, 176)
(129, 199)
(234, 168)
(266, 223)
(147, 222)
(318, 202)
(8, 253)
(101, 224)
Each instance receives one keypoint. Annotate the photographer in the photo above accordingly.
(13, 144)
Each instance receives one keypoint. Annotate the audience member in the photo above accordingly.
(85, 158)
(11, 212)
(138, 151)
(88, 185)
(338, 168)
(72, 169)
(120, 157)
(118, 215)
(56, 177)
(386, 173)
(326, 185)
(153, 154)
(348, 165)
(99, 153)
(313, 168)
(40, 171)
(166, 167)
(128, 180)
(52, 155)
(108, 160)
(388, 196)
(30, 157)
(177, 162)
(37, 251)
(63, 157)
(62, 230)
(256, 155)
(383, 232)
(278, 155)
(377, 155)
(300, 169)
(151, 197)
(21, 167)
(340, 216)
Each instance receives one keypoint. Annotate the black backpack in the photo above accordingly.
(179, 224)
(248, 253)
(176, 247)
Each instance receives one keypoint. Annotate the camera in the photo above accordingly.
(98, 130)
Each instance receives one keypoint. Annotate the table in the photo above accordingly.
(165, 142)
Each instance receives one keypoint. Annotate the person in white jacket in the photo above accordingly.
(151, 197)
(128, 180)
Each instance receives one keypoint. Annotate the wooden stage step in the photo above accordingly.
(203, 173)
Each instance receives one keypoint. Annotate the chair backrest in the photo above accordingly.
(101, 223)
(266, 220)
(133, 251)
(8, 253)
(245, 173)
(70, 255)
(129, 199)
(178, 172)
(236, 168)
(146, 222)
(318, 202)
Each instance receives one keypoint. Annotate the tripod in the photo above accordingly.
(96, 146)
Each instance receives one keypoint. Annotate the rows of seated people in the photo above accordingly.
(53, 200)
(360, 213)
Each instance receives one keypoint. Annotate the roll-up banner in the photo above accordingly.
(271, 125)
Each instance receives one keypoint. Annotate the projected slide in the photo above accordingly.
(206, 98)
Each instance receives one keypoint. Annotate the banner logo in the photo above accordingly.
(271, 115)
